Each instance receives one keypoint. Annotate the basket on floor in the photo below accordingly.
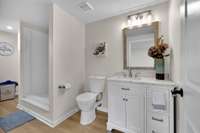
(8, 90)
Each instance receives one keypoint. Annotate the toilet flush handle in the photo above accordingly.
(99, 97)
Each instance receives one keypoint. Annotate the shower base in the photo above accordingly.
(41, 101)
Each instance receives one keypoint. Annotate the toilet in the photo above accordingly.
(88, 101)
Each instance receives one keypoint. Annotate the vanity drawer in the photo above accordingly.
(157, 123)
(132, 90)
(127, 89)
(155, 129)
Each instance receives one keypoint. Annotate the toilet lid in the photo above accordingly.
(87, 96)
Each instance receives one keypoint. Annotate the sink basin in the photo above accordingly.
(137, 78)
(124, 75)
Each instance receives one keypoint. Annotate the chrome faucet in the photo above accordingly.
(136, 74)
(130, 72)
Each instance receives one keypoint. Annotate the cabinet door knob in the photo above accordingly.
(125, 99)
(126, 89)
(157, 119)
(61, 87)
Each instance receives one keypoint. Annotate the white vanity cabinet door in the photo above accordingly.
(135, 109)
(116, 105)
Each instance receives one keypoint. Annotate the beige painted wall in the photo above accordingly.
(9, 64)
(175, 37)
(110, 31)
(68, 53)
(175, 41)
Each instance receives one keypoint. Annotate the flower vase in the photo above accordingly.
(159, 67)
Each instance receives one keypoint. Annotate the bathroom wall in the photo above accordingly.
(9, 64)
(110, 31)
(175, 37)
(175, 41)
(68, 63)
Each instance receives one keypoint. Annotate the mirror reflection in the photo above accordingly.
(137, 41)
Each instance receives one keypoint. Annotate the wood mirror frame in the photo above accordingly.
(155, 26)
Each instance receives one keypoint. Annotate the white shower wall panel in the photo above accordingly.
(26, 66)
(36, 61)
(39, 59)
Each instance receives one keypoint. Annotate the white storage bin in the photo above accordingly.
(7, 92)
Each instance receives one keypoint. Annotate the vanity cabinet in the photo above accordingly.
(126, 107)
(131, 107)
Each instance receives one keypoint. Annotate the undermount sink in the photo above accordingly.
(137, 78)
(126, 76)
(134, 78)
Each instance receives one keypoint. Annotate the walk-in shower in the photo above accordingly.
(35, 65)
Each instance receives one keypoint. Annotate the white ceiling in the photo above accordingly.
(104, 8)
(36, 11)
(30, 11)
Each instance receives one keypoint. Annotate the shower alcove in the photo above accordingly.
(35, 66)
(46, 63)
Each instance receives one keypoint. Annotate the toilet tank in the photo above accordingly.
(97, 83)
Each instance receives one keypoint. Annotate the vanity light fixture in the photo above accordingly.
(134, 21)
(129, 21)
(149, 18)
(8, 27)
(139, 19)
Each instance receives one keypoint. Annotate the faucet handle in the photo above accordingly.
(130, 74)
(136, 74)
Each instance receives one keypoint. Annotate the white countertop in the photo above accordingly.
(143, 80)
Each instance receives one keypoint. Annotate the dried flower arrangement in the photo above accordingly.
(100, 50)
(158, 51)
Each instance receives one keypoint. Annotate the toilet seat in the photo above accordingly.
(86, 97)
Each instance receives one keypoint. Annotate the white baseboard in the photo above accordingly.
(65, 116)
(36, 115)
(102, 109)
(47, 121)
(111, 126)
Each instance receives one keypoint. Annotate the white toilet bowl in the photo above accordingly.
(87, 105)
(88, 101)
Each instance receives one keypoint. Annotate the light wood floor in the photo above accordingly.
(70, 125)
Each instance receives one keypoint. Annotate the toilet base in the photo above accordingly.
(87, 117)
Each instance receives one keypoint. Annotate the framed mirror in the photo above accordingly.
(137, 41)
